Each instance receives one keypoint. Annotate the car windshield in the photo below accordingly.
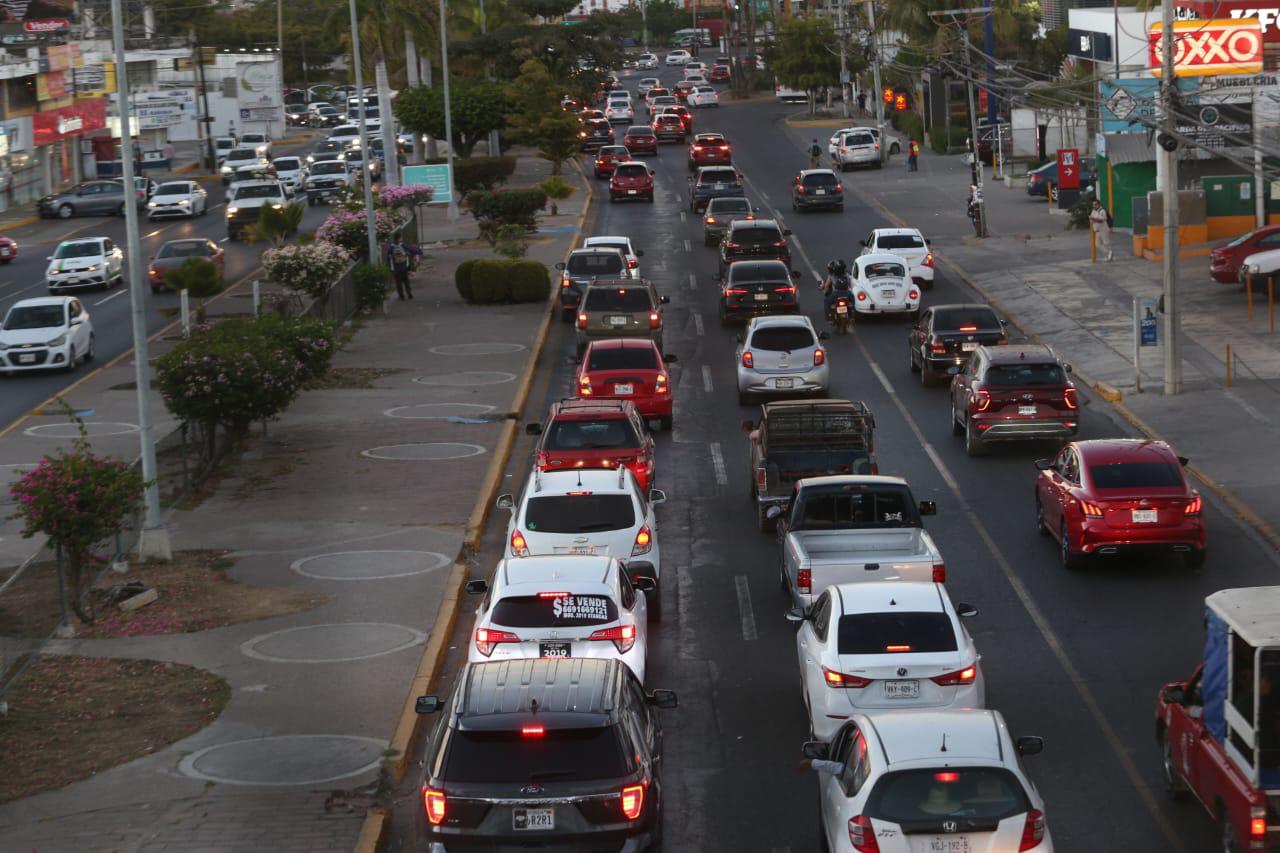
(622, 358)
(184, 249)
(86, 249)
(253, 138)
(1136, 475)
(328, 167)
(329, 145)
(626, 299)
(256, 191)
(243, 154)
(925, 797)
(611, 434)
(729, 205)
(782, 338)
(820, 179)
(602, 264)
(743, 273)
(582, 513)
(564, 611)
(1024, 374)
(884, 269)
(563, 755)
(173, 189)
(854, 507)
(888, 633)
(354, 155)
(35, 317)
(755, 235)
(964, 319)
(716, 176)
(900, 241)
(632, 171)
(288, 164)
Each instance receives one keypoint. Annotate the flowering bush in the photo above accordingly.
(405, 196)
(346, 228)
(310, 340)
(311, 269)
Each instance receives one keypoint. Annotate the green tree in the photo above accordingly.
(804, 56)
(664, 17)
(275, 225)
(479, 106)
(537, 119)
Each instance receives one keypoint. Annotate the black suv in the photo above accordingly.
(754, 239)
(597, 132)
(758, 287)
(941, 342)
(714, 182)
(542, 753)
(583, 267)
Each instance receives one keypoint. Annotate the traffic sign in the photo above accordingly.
(1068, 168)
(435, 175)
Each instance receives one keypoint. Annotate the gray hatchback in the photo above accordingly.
(92, 198)
(720, 214)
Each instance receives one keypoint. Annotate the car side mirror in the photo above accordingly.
(786, 232)
(824, 336)
(533, 429)
(48, 257)
(644, 583)
(78, 320)
(505, 502)
(815, 750)
(560, 265)
(477, 587)
(928, 242)
(1067, 368)
(1029, 745)
(1173, 695)
(928, 508)
(773, 512)
(966, 611)
(657, 496)
(669, 358)
(797, 615)
(1043, 464)
(1003, 322)
(665, 699)
(862, 243)
(427, 704)
(1184, 461)
(664, 299)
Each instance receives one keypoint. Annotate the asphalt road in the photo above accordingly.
(110, 310)
(1074, 657)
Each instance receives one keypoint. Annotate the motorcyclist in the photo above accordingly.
(836, 284)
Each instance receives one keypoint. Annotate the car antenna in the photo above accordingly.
(944, 740)
(579, 478)
(533, 706)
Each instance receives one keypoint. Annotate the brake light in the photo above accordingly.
(730, 244)
(804, 580)
(1193, 508)
(151, 271)
(487, 638)
(564, 282)
(532, 731)
(981, 400)
(555, 594)
(928, 259)
(862, 835)
(913, 294)
(946, 777)
(582, 321)
(736, 291)
(632, 264)
(761, 475)
(434, 801)
(632, 801)
(1090, 510)
(961, 676)
(697, 148)
(1032, 830)
(724, 147)
(644, 541)
(939, 572)
(840, 679)
(819, 358)
(601, 162)
(877, 146)
(967, 328)
(1069, 397)
(661, 380)
(897, 648)
(748, 360)
(839, 187)
(623, 637)
(655, 319)
(1257, 827)
(584, 386)
(519, 547)
(862, 296)
(780, 243)
(937, 346)
(800, 189)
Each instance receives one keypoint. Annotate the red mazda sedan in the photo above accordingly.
(608, 158)
(631, 180)
(640, 139)
(628, 369)
(1225, 261)
(1112, 495)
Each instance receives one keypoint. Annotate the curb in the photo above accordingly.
(374, 830)
(24, 221)
(821, 122)
(1106, 392)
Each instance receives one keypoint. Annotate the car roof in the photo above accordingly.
(578, 569)
(582, 410)
(252, 152)
(612, 238)
(180, 240)
(852, 479)
(878, 258)
(623, 343)
(78, 240)
(897, 232)
(891, 597)
(951, 737)
(37, 301)
(596, 250)
(1103, 451)
(745, 224)
(698, 136)
(732, 199)
(1008, 353)
(503, 690)
(967, 306)
(770, 321)
(604, 480)
(639, 130)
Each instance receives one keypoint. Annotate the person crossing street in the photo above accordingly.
(815, 153)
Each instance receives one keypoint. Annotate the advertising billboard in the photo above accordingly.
(1215, 46)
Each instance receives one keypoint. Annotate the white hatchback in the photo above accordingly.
(908, 244)
(623, 245)
(678, 57)
(929, 780)
(884, 646)
(561, 607)
(645, 84)
(647, 62)
(91, 262)
(45, 332)
(704, 96)
(291, 171)
(781, 356)
(881, 285)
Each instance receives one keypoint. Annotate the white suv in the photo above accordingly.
(45, 332)
(928, 780)
(92, 262)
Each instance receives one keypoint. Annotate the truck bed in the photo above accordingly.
(850, 556)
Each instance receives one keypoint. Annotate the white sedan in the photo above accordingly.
(1260, 264)
(882, 285)
(623, 245)
(561, 607)
(908, 244)
(704, 96)
(620, 111)
(678, 57)
(45, 332)
(884, 646)
(178, 198)
(645, 84)
(647, 62)
(692, 68)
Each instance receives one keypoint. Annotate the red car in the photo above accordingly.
(631, 180)
(719, 74)
(1225, 261)
(1013, 392)
(628, 369)
(609, 156)
(668, 127)
(175, 253)
(1118, 494)
(595, 433)
(710, 149)
(686, 115)
(640, 139)
(8, 250)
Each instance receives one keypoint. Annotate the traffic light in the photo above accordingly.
(887, 94)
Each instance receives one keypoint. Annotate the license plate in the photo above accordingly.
(576, 549)
(617, 321)
(1145, 516)
(553, 650)
(623, 389)
(71, 281)
(762, 297)
(26, 359)
(1026, 410)
(720, 186)
(631, 192)
(842, 310)
(968, 346)
(888, 294)
(902, 689)
(949, 845)
(522, 819)
(785, 382)
(4, 253)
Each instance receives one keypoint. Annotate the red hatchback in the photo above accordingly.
(640, 139)
(595, 434)
(8, 250)
(1122, 494)
(1013, 392)
(631, 180)
(1225, 261)
(710, 149)
(686, 115)
(628, 369)
(668, 127)
(608, 158)
(719, 74)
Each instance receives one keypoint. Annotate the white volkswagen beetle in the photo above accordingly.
(882, 284)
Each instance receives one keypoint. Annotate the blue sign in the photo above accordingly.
(435, 175)
(1148, 323)
(1129, 104)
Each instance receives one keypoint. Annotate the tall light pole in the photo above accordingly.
(154, 539)
(845, 90)
(366, 156)
(1169, 173)
(875, 71)
(488, 75)
(448, 110)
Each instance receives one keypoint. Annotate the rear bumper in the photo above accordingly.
(812, 381)
(1096, 537)
(759, 309)
(1030, 429)
(946, 366)
(869, 307)
(819, 200)
(624, 841)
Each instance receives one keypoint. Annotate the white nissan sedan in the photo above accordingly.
(178, 198)
(45, 332)
(906, 243)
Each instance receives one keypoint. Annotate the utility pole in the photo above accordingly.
(154, 538)
(366, 156)
(957, 16)
(1259, 181)
(448, 110)
(206, 123)
(280, 45)
(1169, 161)
(488, 75)
(644, 25)
(843, 32)
(875, 76)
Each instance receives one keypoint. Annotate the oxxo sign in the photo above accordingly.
(1204, 48)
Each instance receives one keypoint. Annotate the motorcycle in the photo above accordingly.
(842, 314)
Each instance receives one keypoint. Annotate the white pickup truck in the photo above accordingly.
(846, 529)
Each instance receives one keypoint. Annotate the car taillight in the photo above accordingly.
(862, 835)
(785, 289)
(730, 244)
(644, 542)
(839, 188)
(724, 147)
(584, 386)
(936, 345)
(780, 243)
(862, 296)
(1090, 510)
(736, 291)
(655, 319)
(804, 580)
(819, 358)
(1032, 830)
(541, 458)
(1193, 508)
(632, 801)
(748, 360)
(632, 263)
(800, 188)
(623, 637)
(1069, 397)
(582, 321)
(939, 572)
(434, 802)
(761, 477)
(697, 148)
(564, 282)
(1257, 826)
(601, 162)
(840, 679)
(876, 146)
(519, 547)
(928, 259)
(487, 638)
(913, 294)
(961, 676)
(710, 220)
(981, 400)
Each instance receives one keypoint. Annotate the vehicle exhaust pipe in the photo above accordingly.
(1108, 549)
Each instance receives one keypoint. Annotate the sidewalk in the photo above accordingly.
(1039, 274)
(360, 494)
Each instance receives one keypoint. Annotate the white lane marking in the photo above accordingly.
(224, 239)
(684, 217)
(24, 290)
(717, 462)
(153, 233)
(693, 282)
(744, 608)
(697, 324)
(884, 380)
(942, 469)
(688, 247)
(706, 378)
(121, 292)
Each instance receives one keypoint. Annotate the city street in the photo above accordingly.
(1076, 658)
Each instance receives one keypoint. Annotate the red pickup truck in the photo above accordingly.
(1219, 731)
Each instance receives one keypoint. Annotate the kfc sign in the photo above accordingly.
(1268, 16)
(1205, 48)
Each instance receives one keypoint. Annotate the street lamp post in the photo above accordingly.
(366, 158)
(448, 112)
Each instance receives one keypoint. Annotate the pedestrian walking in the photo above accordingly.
(862, 103)
(402, 258)
(913, 156)
(815, 153)
(1100, 221)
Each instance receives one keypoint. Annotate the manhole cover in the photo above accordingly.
(476, 349)
(369, 565)
(467, 378)
(439, 411)
(438, 451)
(285, 760)
(91, 428)
(337, 643)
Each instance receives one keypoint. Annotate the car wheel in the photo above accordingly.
(1053, 194)
(1070, 559)
(972, 444)
(840, 207)
(665, 422)
(1040, 525)
(120, 210)
(1226, 833)
(895, 149)
(1195, 558)
(89, 355)
(72, 361)
(957, 428)
(650, 199)
(1174, 786)
(66, 211)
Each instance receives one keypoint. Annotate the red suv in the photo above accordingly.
(1225, 261)
(686, 115)
(628, 369)
(1013, 392)
(640, 139)
(719, 74)
(710, 149)
(1120, 494)
(608, 158)
(595, 434)
(670, 128)
(631, 180)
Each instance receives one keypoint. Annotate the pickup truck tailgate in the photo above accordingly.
(848, 556)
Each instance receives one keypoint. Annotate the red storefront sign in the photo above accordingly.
(1068, 169)
(49, 25)
(1216, 46)
(51, 125)
(1267, 13)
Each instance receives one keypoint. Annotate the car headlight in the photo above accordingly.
(152, 204)
(231, 210)
(58, 341)
(226, 170)
(311, 158)
(278, 206)
(93, 267)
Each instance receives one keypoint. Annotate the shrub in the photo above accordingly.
(462, 278)
(198, 276)
(938, 140)
(310, 340)
(347, 229)
(530, 281)
(509, 241)
(408, 196)
(509, 207)
(479, 173)
(310, 269)
(372, 283)
(490, 282)
(910, 124)
(557, 189)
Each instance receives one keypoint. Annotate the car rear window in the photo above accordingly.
(859, 139)
(900, 241)
(956, 319)
(288, 163)
(782, 338)
(820, 179)
(849, 509)
(631, 171)
(888, 633)
(262, 191)
(1136, 475)
(635, 132)
(554, 611)
(926, 797)
(755, 235)
(598, 264)
(717, 176)
(729, 205)
(741, 273)
(622, 358)
(615, 150)
(579, 513)
(668, 119)
(628, 299)
(559, 755)
(1024, 374)
(184, 249)
(611, 434)
(884, 270)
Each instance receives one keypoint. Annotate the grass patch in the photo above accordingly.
(73, 717)
(352, 377)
